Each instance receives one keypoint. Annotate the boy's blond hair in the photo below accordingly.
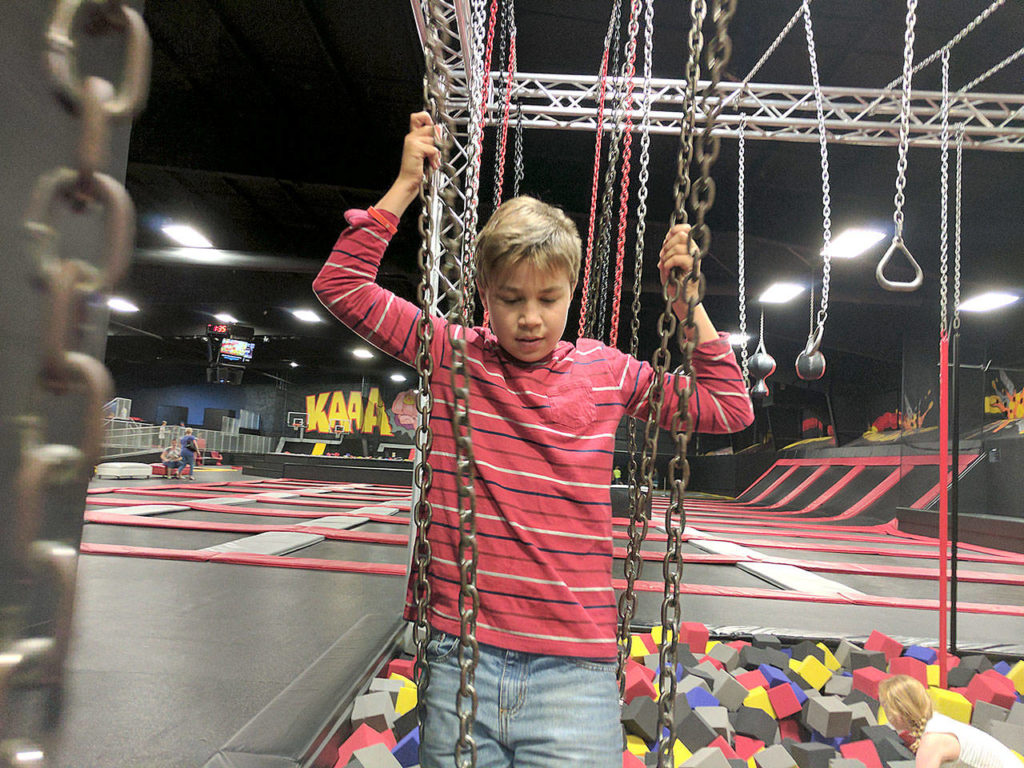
(525, 229)
(906, 698)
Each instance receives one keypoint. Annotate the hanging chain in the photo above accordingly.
(944, 198)
(439, 78)
(741, 259)
(33, 666)
(992, 70)
(901, 164)
(826, 197)
(479, 78)
(633, 565)
(956, 226)
(517, 176)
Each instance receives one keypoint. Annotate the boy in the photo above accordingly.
(544, 414)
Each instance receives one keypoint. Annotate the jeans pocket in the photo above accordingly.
(595, 665)
(441, 646)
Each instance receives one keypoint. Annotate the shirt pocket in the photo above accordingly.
(572, 406)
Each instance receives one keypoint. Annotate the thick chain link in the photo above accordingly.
(904, 140)
(633, 565)
(35, 664)
(741, 259)
(944, 197)
(826, 195)
(438, 80)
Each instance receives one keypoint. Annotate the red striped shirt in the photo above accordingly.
(543, 444)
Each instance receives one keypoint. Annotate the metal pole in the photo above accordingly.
(954, 403)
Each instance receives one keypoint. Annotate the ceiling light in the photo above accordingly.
(224, 317)
(121, 305)
(852, 242)
(988, 301)
(738, 339)
(306, 315)
(780, 293)
(362, 353)
(293, 364)
(186, 235)
(398, 377)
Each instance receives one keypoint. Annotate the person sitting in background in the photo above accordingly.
(171, 458)
(937, 739)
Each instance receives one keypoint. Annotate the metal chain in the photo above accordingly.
(956, 226)
(633, 565)
(34, 665)
(944, 197)
(477, 79)
(439, 77)
(741, 259)
(953, 41)
(518, 172)
(901, 164)
(826, 198)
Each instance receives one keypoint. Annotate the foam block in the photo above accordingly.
(806, 648)
(362, 737)
(724, 747)
(866, 680)
(629, 760)
(694, 635)
(640, 718)
(755, 723)
(784, 700)
(812, 754)
(880, 642)
(373, 756)
(752, 680)
(862, 750)
(730, 692)
(695, 732)
(951, 704)
(843, 652)
(829, 716)
(921, 653)
(727, 655)
(992, 687)
(1016, 676)
(402, 667)
(985, 713)
(707, 757)
(717, 719)
(775, 756)
(905, 665)
(758, 699)
(1011, 734)
(407, 750)
(859, 658)
(746, 747)
(838, 685)
(374, 709)
(814, 671)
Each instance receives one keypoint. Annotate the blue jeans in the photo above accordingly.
(189, 459)
(533, 711)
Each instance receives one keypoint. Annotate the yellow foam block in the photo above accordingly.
(883, 718)
(813, 671)
(405, 680)
(951, 704)
(758, 699)
(680, 754)
(637, 649)
(1016, 675)
(932, 670)
(711, 644)
(406, 699)
(830, 661)
(656, 633)
(1019, 755)
(636, 745)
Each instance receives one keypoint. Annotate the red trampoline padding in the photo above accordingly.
(235, 510)
(841, 598)
(115, 518)
(645, 554)
(238, 558)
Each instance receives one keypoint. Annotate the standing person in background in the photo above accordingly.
(162, 433)
(189, 449)
(937, 739)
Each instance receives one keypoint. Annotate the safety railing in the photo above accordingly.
(124, 438)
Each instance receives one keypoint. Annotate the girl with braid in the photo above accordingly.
(939, 740)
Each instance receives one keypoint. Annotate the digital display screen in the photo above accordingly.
(236, 351)
(218, 330)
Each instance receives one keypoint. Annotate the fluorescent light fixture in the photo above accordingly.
(293, 364)
(362, 353)
(780, 293)
(118, 304)
(738, 339)
(26, 756)
(988, 301)
(852, 242)
(306, 315)
(224, 317)
(185, 235)
(398, 377)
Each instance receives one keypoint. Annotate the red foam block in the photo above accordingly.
(363, 736)
(862, 750)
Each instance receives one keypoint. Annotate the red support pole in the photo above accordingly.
(943, 503)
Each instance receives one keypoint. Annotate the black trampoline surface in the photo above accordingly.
(171, 658)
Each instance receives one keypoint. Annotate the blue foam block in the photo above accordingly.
(698, 697)
(407, 751)
(921, 653)
(773, 675)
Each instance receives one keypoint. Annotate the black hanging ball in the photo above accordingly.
(761, 366)
(760, 390)
(810, 366)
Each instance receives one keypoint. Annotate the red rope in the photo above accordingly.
(503, 144)
(491, 24)
(627, 154)
(593, 193)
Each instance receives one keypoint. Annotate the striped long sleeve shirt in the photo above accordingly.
(543, 444)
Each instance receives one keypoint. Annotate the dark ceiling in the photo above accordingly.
(268, 118)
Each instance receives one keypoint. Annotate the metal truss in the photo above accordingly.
(859, 116)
